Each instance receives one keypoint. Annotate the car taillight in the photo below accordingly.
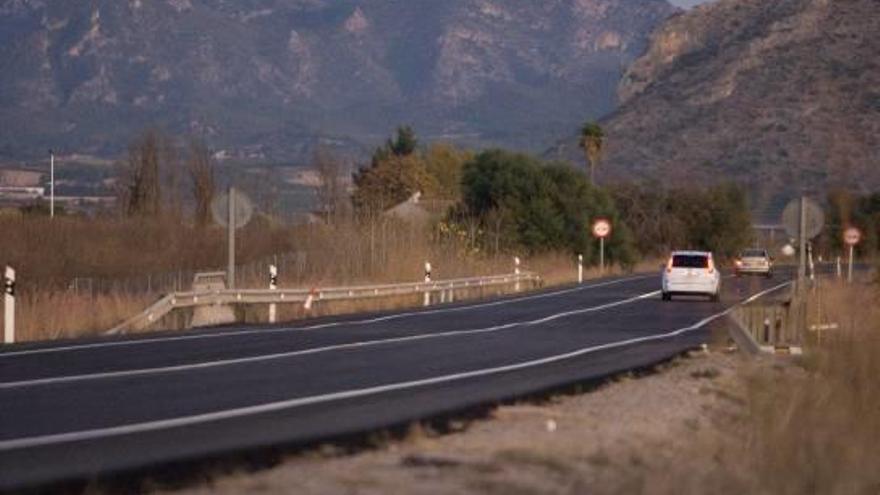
(738, 262)
(669, 266)
(711, 267)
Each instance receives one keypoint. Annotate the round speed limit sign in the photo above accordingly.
(601, 228)
(852, 236)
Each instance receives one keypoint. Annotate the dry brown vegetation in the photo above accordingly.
(56, 259)
(819, 431)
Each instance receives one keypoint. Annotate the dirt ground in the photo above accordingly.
(669, 431)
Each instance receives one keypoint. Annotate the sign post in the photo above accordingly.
(232, 210)
(803, 220)
(601, 230)
(9, 306)
(851, 237)
(230, 235)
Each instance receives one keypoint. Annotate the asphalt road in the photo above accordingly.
(76, 409)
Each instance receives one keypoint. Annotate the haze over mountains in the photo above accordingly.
(782, 95)
(268, 79)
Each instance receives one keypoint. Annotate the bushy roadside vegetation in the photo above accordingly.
(521, 203)
(850, 210)
(714, 218)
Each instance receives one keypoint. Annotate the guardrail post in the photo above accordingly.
(273, 285)
(516, 263)
(580, 269)
(9, 306)
(427, 281)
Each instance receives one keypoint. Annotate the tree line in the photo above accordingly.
(505, 201)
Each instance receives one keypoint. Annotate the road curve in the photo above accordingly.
(77, 409)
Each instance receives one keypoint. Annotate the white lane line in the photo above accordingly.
(38, 441)
(218, 335)
(317, 350)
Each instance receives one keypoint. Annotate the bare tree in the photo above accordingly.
(333, 176)
(201, 172)
(171, 180)
(140, 181)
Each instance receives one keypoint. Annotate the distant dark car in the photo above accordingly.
(754, 262)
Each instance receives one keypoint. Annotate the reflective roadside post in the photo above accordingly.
(9, 306)
(427, 281)
(516, 262)
(580, 269)
(273, 285)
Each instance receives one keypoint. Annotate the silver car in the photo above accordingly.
(755, 262)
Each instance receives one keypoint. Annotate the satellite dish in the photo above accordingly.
(243, 212)
(791, 218)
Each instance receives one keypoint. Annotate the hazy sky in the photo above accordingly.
(688, 3)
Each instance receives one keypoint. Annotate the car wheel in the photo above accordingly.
(715, 297)
(666, 296)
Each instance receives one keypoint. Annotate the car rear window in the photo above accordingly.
(690, 261)
(754, 253)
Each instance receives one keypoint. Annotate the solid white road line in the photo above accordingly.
(38, 441)
(266, 331)
(317, 350)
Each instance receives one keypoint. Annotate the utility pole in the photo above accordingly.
(802, 237)
(51, 184)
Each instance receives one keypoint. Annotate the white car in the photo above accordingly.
(690, 273)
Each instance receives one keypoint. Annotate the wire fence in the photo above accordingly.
(293, 266)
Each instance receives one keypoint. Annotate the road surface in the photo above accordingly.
(77, 409)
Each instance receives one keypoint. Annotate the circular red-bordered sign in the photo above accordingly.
(852, 236)
(601, 228)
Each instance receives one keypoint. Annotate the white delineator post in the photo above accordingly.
(9, 306)
(580, 269)
(427, 281)
(310, 299)
(516, 263)
(273, 285)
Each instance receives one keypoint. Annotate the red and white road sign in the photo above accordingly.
(601, 228)
(852, 236)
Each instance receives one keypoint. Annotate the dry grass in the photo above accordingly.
(819, 432)
(48, 255)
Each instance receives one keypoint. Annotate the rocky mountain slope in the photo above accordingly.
(783, 95)
(269, 78)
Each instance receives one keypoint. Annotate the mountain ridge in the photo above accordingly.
(272, 78)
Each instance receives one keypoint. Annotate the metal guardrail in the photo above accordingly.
(769, 326)
(225, 297)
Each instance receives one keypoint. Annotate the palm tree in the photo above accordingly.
(593, 143)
